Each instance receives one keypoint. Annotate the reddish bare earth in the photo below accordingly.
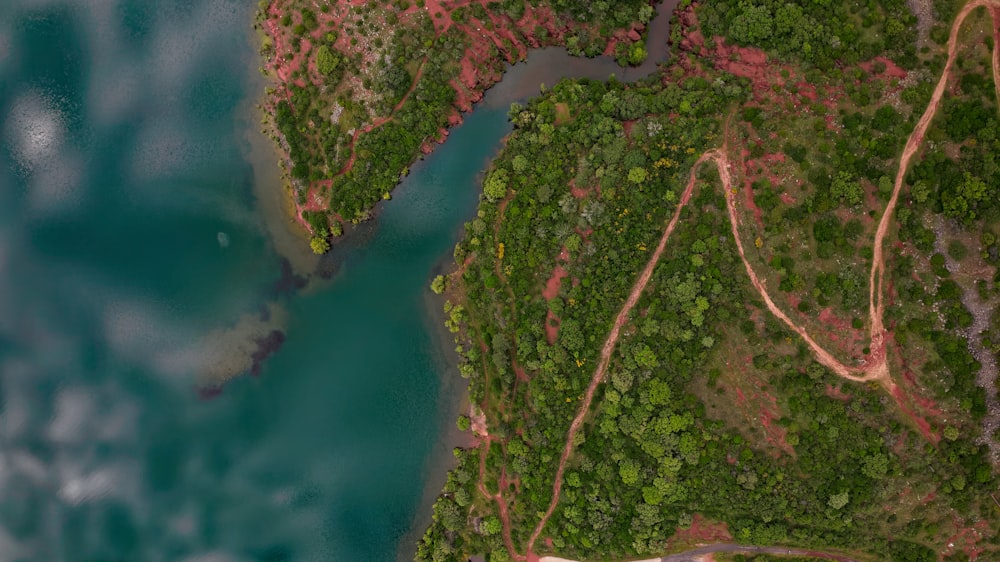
(836, 393)
(512, 39)
(551, 290)
(700, 531)
(552, 323)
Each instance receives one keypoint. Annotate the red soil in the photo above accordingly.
(519, 372)
(511, 39)
(793, 301)
(627, 127)
(928, 498)
(552, 323)
(758, 214)
(774, 434)
(891, 70)
(966, 538)
(826, 316)
(578, 192)
(807, 91)
(551, 290)
(701, 531)
(922, 424)
(836, 393)
(753, 168)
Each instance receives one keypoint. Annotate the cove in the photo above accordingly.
(133, 227)
(376, 329)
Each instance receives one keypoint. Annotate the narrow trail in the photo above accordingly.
(876, 304)
(497, 497)
(875, 369)
(378, 122)
(609, 347)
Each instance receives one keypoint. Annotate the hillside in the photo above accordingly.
(749, 300)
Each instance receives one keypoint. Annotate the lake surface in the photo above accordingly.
(142, 247)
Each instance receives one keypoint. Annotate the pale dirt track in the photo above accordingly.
(609, 347)
(876, 368)
(876, 305)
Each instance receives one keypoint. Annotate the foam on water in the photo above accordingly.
(35, 129)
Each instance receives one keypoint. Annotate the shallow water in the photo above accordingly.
(138, 253)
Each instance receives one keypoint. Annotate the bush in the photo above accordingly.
(326, 61)
(957, 250)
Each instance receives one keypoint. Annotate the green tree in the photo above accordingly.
(520, 163)
(875, 466)
(319, 243)
(463, 423)
(645, 357)
(439, 284)
(962, 202)
(753, 26)
(846, 188)
(837, 501)
(637, 53)
(637, 175)
(326, 61)
(491, 526)
(920, 191)
(958, 482)
(628, 469)
(495, 186)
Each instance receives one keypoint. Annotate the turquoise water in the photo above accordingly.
(135, 259)
(139, 252)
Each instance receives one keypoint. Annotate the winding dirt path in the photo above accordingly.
(378, 122)
(876, 304)
(609, 347)
(497, 497)
(875, 368)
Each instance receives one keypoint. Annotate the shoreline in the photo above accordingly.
(471, 84)
(453, 395)
(453, 400)
(522, 76)
(265, 156)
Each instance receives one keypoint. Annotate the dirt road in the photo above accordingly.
(609, 347)
(876, 305)
(876, 367)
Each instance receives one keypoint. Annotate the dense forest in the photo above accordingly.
(715, 421)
